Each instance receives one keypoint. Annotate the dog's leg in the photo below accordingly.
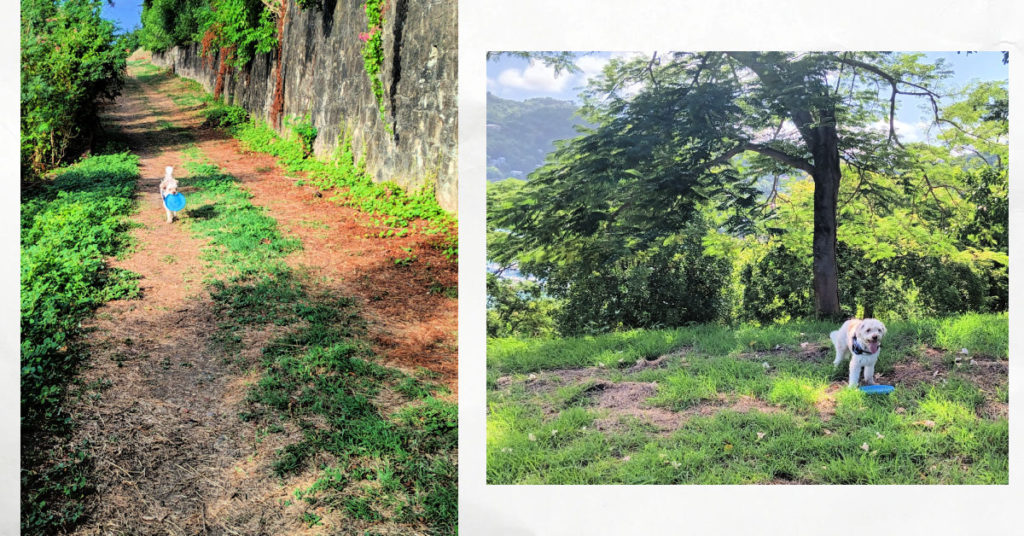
(839, 350)
(170, 215)
(854, 370)
(869, 374)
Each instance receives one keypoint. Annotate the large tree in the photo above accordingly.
(682, 131)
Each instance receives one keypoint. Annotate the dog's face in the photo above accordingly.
(870, 333)
(170, 187)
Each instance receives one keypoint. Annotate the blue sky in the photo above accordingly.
(519, 79)
(127, 14)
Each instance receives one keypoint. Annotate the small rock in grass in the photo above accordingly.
(804, 345)
(532, 377)
(963, 351)
(827, 431)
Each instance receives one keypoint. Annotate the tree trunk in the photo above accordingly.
(826, 194)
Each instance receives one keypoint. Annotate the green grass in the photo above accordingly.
(809, 428)
(69, 227)
(321, 375)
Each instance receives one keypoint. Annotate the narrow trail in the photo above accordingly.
(171, 455)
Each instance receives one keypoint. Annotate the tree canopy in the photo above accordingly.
(682, 136)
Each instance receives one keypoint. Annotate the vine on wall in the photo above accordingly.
(373, 52)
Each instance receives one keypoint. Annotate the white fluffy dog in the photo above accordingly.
(168, 186)
(861, 339)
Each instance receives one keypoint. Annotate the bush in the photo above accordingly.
(667, 285)
(518, 309)
(70, 58)
(67, 231)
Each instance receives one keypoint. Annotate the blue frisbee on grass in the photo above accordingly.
(877, 389)
(174, 202)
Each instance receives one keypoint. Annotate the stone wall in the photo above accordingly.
(323, 77)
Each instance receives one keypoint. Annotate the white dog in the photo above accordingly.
(168, 186)
(861, 339)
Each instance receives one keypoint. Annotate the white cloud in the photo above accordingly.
(907, 132)
(535, 77)
(590, 66)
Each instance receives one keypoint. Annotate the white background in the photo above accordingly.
(710, 25)
(630, 25)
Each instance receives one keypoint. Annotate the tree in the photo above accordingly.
(70, 60)
(686, 130)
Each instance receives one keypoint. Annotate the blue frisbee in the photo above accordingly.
(174, 202)
(877, 389)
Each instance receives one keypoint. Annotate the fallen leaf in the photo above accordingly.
(880, 436)
(625, 458)
(928, 423)
(728, 447)
(553, 432)
(865, 447)
(533, 377)
(760, 435)
(532, 437)
(901, 410)
(677, 465)
(827, 431)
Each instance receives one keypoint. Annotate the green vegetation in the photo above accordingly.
(69, 227)
(626, 226)
(321, 376)
(239, 28)
(400, 210)
(744, 406)
(70, 59)
(373, 53)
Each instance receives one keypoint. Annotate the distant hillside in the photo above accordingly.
(521, 133)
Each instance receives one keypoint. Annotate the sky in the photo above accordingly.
(127, 14)
(520, 79)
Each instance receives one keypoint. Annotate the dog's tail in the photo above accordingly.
(169, 172)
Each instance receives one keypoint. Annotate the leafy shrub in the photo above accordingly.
(70, 58)
(219, 115)
(518, 309)
(667, 285)
(68, 229)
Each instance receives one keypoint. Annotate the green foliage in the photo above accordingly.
(305, 132)
(518, 309)
(373, 53)
(242, 27)
(168, 23)
(356, 188)
(69, 228)
(70, 59)
(221, 115)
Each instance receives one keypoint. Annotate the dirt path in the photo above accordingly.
(171, 455)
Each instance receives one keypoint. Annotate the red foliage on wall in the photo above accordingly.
(277, 108)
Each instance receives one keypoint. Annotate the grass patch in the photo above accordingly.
(69, 227)
(802, 426)
(321, 375)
